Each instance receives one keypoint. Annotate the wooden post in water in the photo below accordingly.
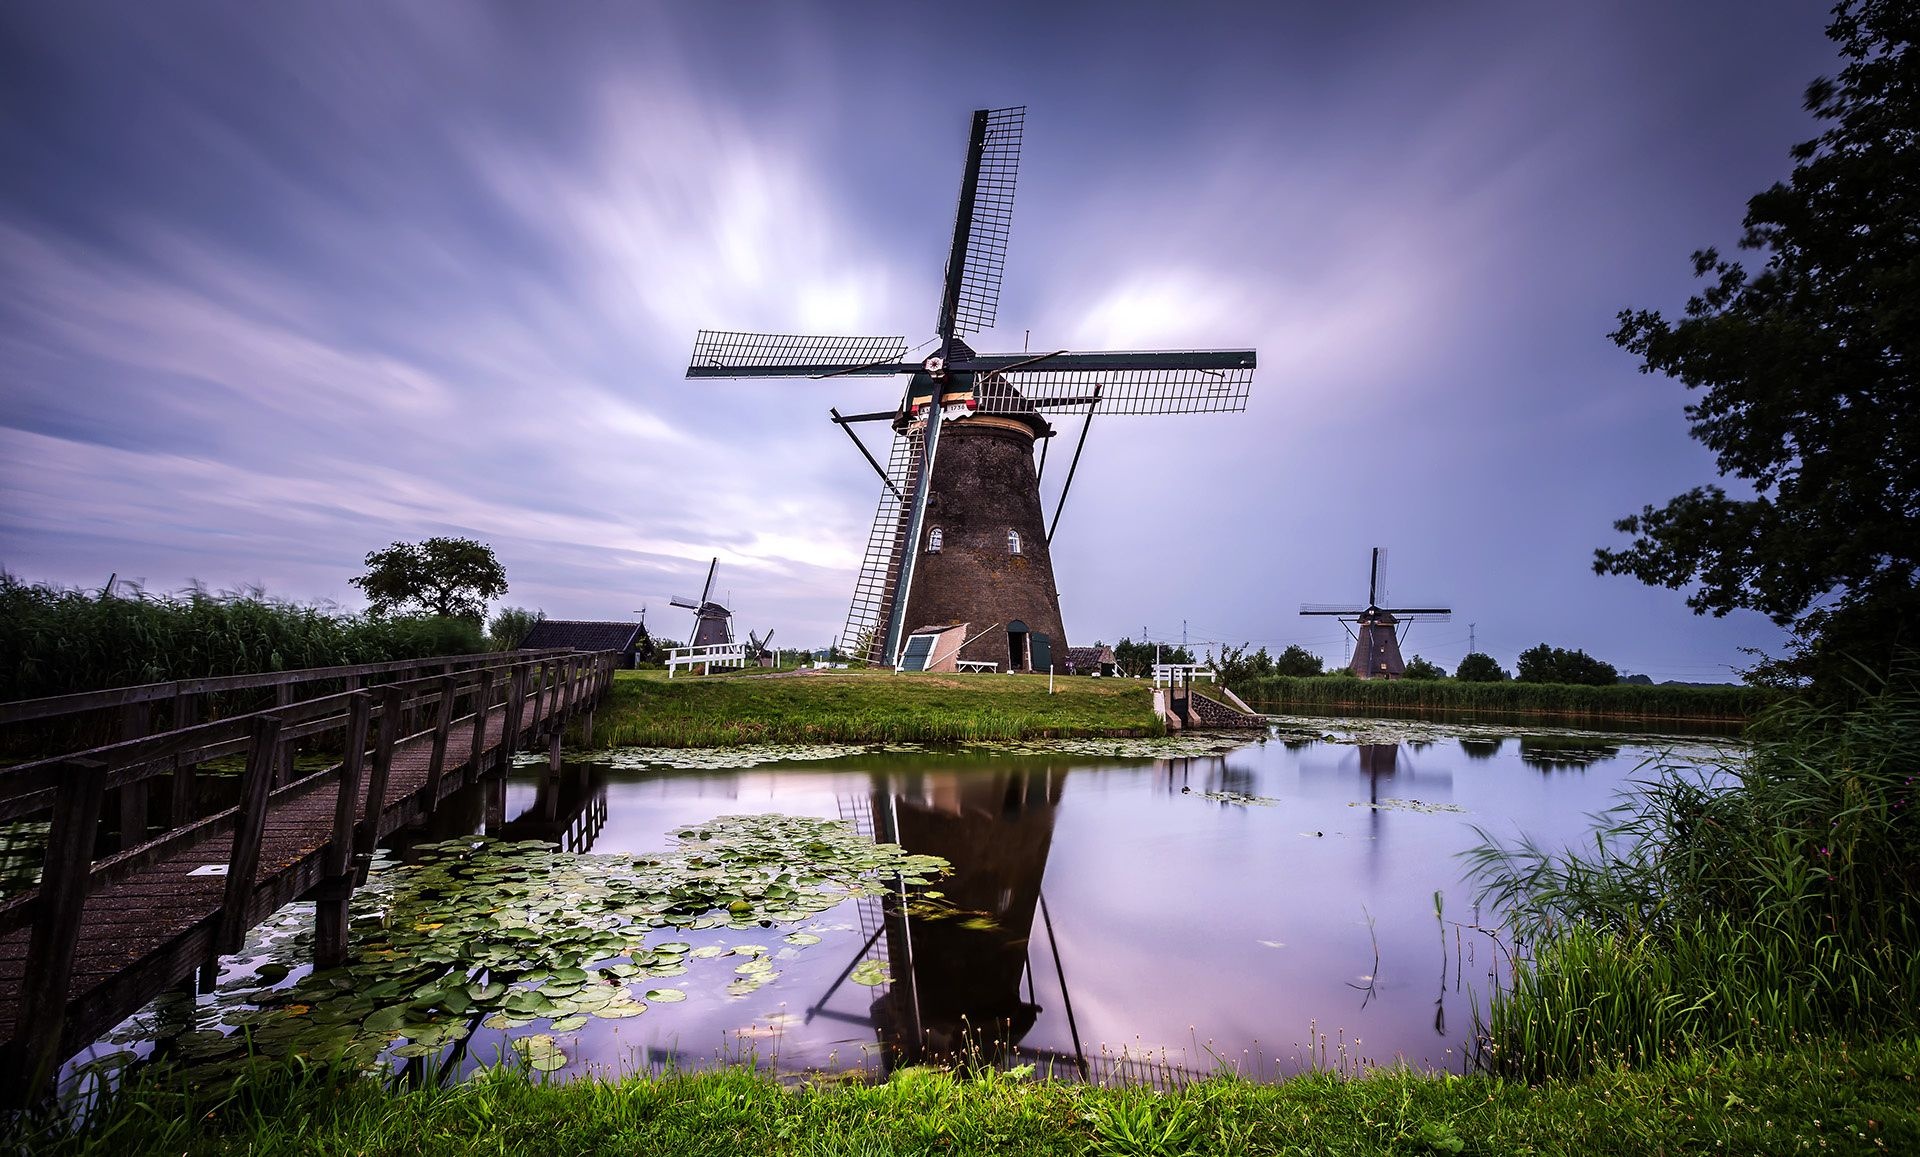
(336, 882)
(250, 828)
(56, 927)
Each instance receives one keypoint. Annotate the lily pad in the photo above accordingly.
(541, 1052)
(870, 972)
(666, 995)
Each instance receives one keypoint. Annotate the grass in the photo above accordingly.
(1539, 701)
(1744, 911)
(1821, 1096)
(646, 709)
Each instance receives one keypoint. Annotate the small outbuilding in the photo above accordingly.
(1090, 660)
(630, 639)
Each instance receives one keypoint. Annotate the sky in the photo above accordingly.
(282, 284)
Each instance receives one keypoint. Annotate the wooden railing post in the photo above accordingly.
(182, 805)
(516, 704)
(368, 836)
(442, 720)
(56, 927)
(336, 882)
(482, 708)
(136, 722)
(250, 829)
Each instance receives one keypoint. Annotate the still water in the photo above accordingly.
(1269, 906)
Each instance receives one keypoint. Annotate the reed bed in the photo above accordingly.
(648, 710)
(55, 641)
(1749, 907)
(1282, 694)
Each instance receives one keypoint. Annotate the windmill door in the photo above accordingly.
(1016, 646)
(1041, 649)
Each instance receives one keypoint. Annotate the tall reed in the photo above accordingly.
(54, 641)
(1749, 905)
(1283, 693)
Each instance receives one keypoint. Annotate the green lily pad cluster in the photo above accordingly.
(1150, 747)
(479, 933)
(722, 758)
(1409, 805)
(1239, 798)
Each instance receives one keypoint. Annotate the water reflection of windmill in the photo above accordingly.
(956, 969)
(712, 623)
(1376, 648)
(960, 535)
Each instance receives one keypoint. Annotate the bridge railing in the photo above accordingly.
(537, 690)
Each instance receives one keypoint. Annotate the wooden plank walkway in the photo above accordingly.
(146, 920)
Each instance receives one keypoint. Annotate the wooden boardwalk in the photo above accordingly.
(102, 936)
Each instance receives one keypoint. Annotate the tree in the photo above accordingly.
(1298, 662)
(450, 577)
(510, 625)
(1544, 664)
(1810, 378)
(1131, 658)
(1479, 667)
(1418, 668)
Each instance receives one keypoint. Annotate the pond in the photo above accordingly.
(1136, 909)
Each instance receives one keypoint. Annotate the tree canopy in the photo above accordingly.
(451, 577)
(1544, 664)
(1479, 667)
(1419, 668)
(1807, 376)
(1298, 661)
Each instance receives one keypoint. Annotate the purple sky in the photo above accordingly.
(281, 284)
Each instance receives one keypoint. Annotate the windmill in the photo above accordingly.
(712, 623)
(960, 534)
(1376, 650)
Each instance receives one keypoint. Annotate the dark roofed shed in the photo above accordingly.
(626, 638)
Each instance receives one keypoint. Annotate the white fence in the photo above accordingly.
(1165, 673)
(711, 655)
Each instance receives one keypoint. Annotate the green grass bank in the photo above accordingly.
(646, 709)
(1542, 702)
(1821, 1097)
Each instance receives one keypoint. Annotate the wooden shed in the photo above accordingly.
(630, 639)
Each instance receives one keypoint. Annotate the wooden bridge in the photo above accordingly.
(127, 908)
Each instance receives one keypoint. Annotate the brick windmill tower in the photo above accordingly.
(957, 566)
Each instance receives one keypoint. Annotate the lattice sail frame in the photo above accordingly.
(718, 350)
(1137, 391)
(985, 260)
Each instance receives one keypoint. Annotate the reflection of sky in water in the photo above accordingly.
(1182, 924)
(1152, 918)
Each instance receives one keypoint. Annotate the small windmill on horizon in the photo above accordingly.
(712, 622)
(1376, 648)
(960, 535)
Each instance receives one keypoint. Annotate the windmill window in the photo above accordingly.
(1013, 542)
(934, 540)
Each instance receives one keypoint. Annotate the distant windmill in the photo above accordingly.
(968, 541)
(1376, 650)
(757, 646)
(712, 623)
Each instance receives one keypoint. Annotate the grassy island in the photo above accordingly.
(646, 709)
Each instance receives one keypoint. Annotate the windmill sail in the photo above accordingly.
(985, 220)
(734, 354)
